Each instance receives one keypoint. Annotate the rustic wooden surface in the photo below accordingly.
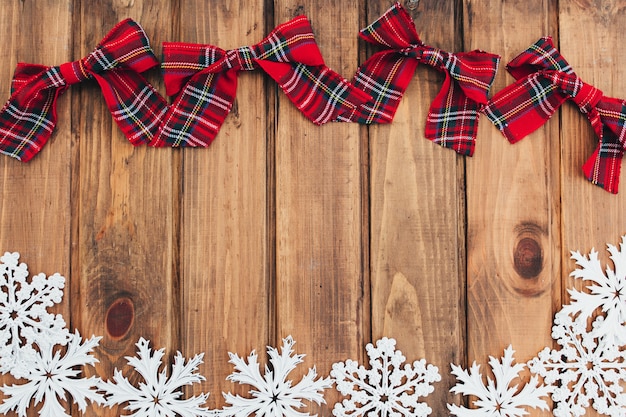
(337, 235)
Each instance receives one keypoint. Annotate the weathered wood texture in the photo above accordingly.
(337, 235)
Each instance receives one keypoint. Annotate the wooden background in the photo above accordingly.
(337, 235)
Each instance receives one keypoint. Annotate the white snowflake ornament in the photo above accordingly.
(606, 292)
(157, 395)
(498, 398)
(585, 369)
(387, 388)
(54, 376)
(24, 318)
(273, 395)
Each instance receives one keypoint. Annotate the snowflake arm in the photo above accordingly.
(273, 395)
(498, 398)
(607, 292)
(23, 314)
(387, 388)
(157, 395)
(53, 376)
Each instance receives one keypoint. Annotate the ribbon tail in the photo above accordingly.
(452, 120)
(603, 167)
(320, 93)
(608, 121)
(195, 117)
(135, 105)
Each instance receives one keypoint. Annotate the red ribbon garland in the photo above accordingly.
(203, 81)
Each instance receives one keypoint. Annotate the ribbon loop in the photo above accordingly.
(28, 118)
(453, 116)
(544, 81)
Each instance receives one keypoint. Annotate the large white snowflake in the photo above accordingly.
(53, 376)
(23, 315)
(607, 292)
(273, 395)
(157, 395)
(498, 398)
(388, 388)
(584, 369)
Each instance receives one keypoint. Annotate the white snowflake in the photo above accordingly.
(585, 368)
(274, 395)
(607, 292)
(157, 395)
(387, 389)
(498, 398)
(23, 315)
(54, 375)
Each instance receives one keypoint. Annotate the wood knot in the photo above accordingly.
(528, 258)
(120, 317)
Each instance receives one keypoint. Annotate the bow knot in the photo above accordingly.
(584, 95)
(28, 118)
(240, 59)
(73, 72)
(544, 82)
(453, 116)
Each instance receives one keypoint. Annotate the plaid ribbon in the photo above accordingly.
(204, 80)
(453, 115)
(28, 118)
(545, 81)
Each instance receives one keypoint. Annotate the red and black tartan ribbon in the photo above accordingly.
(453, 116)
(28, 118)
(204, 80)
(545, 81)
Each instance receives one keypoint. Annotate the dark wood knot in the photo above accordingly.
(528, 258)
(120, 317)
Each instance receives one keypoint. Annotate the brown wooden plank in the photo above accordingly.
(125, 210)
(513, 240)
(592, 217)
(35, 197)
(225, 256)
(320, 257)
(417, 200)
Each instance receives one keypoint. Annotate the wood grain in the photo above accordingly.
(320, 275)
(35, 202)
(337, 235)
(417, 212)
(591, 216)
(224, 252)
(513, 235)
(126, 208)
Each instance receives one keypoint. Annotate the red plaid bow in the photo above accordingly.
(544, 81)
(453, 116)
(204, 78)
(28, 119)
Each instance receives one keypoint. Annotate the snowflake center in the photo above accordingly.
(384, 398)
